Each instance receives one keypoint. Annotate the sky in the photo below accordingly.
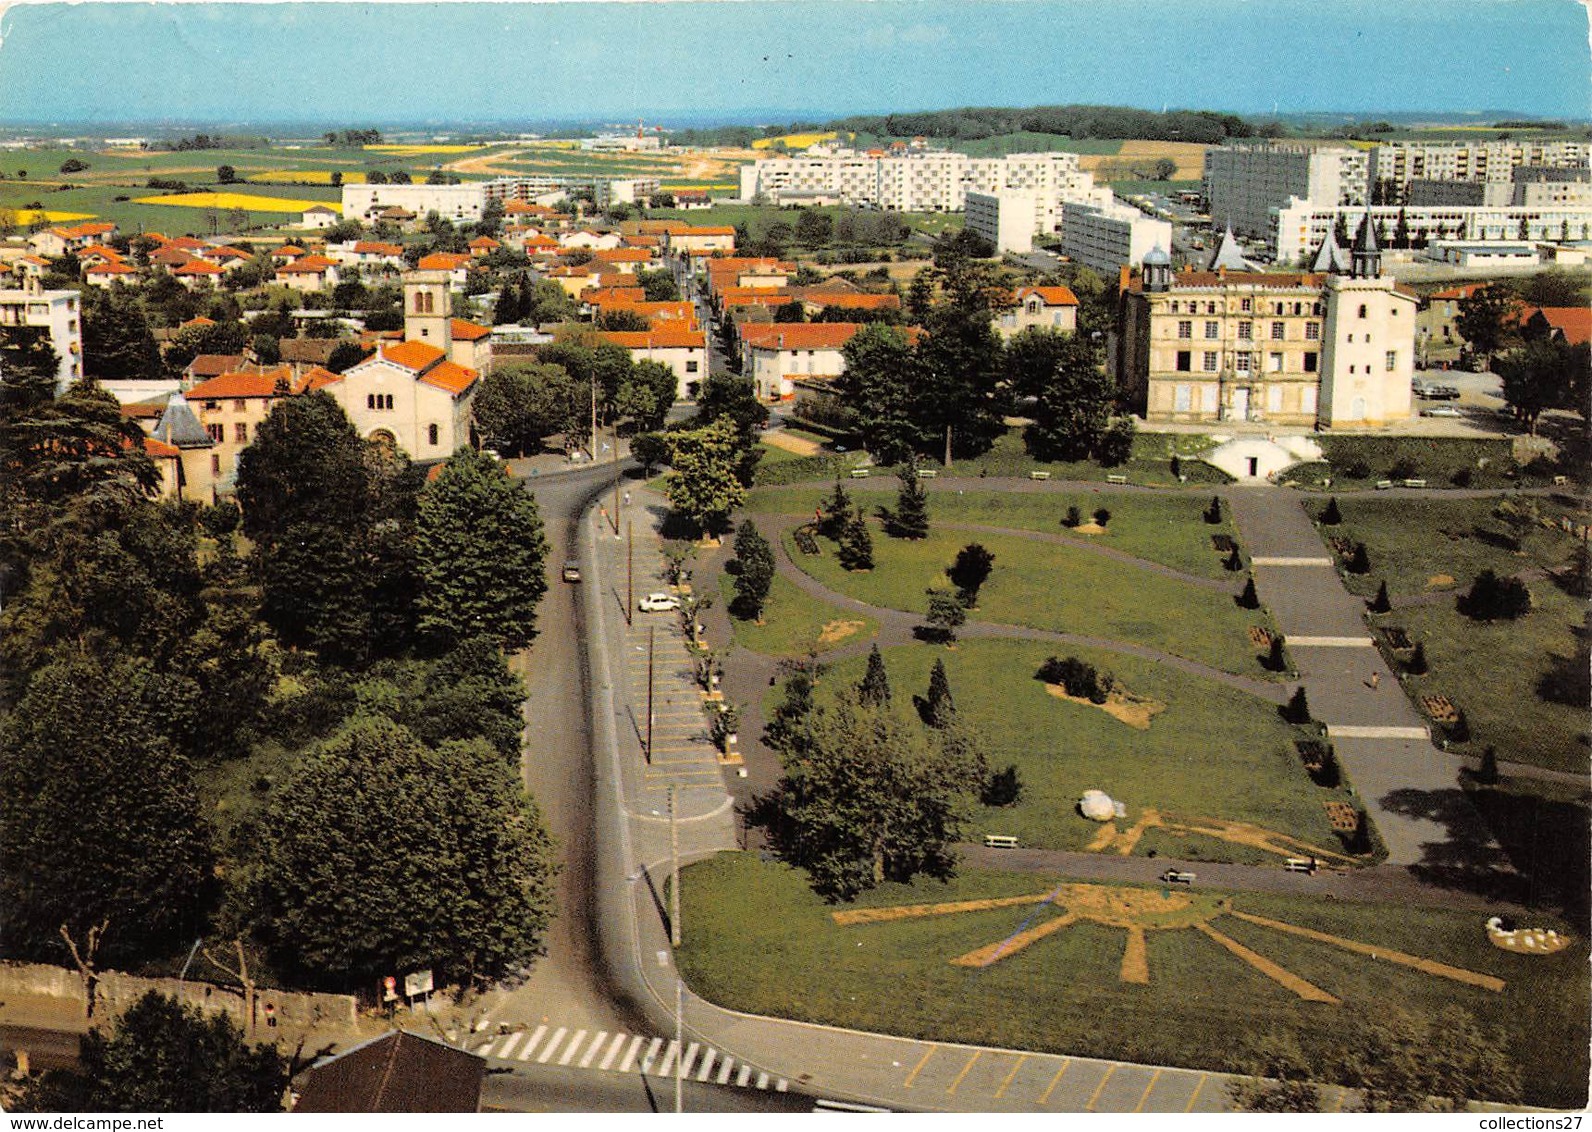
(768, 60)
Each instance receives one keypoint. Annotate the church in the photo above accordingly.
(1332, 348)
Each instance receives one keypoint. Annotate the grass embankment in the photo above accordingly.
(1489, 670)
(1201, 1007)
(794, 622)
(1053, 587)
(1213, 752)
(1442, 461)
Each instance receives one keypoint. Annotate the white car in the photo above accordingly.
(658, 603)
(1441, 411)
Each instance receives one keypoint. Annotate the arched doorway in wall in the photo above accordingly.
(384, 438)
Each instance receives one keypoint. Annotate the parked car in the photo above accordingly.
(572, 571)
(1441, 411)
(658, 603)
(1175, 876)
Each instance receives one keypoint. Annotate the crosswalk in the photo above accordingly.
(617, 1052)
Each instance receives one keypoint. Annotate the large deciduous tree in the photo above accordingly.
(164, 1056)
(382, 855)
(117, 341)
(647, 395)
(1485, 318)
(519, 405)
(1545, 374)
(704, 487)
(969, 572)
(99, 819)
(481, 553)
(1072, 396)
(868, 796)
(881, 380)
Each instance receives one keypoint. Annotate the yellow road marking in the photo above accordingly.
(1020, 1059)
(977, 1054)
(1098, 1088)
(918, 1068)
(1065, 1062)
(1196, 1094)
(1140, 1106)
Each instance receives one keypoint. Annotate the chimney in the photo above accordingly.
(1124, 275)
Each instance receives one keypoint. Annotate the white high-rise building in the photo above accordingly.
(1107, 237)
(1400, 162)
(57, 312)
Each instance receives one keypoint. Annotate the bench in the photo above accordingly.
(1560, 481)
(1414, 483)
(999, 841)
(927, 473)
(1116, 479)
(1300, 865)
(860, 473)
(1383, 485)
(1046, 476)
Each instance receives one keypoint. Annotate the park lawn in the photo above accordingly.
(1149, 465)
(1053, 587)
(1203, 1008)
(1214, 752)
(794, 621)
(1443, 461)
(1412, 541)
(1490, 671)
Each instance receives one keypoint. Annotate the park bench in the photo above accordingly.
(1116, 479)
(1039, 475)
(860, 473)
(1301, 865)
(1414, 483)
(1176, 876)
(1383, 485)
(999, 841)
(927, 473)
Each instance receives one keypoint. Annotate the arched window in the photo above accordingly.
(1362, 310)
(434, 433)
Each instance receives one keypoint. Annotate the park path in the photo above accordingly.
(1410, 787)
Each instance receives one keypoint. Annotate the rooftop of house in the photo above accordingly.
(397, 1072)
(1575, 323)
(430, 365)
(1050, 296)
(666, 337)
(213, 365)
(442, 261)
(798, 335)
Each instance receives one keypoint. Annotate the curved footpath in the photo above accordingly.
(633, 856)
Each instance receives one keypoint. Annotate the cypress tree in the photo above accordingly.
(836, 509)
(1277, 659)
(1418, 665)
(939, 709)
(874, 691)
(1298, 707)
(856, 544)
(1235, 559)
(910, 519)
(1213, 513)
(1360, 560)
(1332, 516)
(1487, 774)
(1249, 599)
(1380, 603)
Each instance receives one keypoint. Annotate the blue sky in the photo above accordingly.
(763, 60)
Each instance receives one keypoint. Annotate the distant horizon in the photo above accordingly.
(448, 65)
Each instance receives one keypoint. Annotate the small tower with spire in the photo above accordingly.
(1157, 270)
(1331, 259)
(1367, 254)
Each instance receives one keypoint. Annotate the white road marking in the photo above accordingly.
(591, 1050)
(530, 1046)
(508, 1046)
(666, 1068)
(707, 1063)
(573, 1048)
(741, 1077)
(724, 1073)
(691, 1052)
(762, 1080)
(630, 1054)
(652, 1052)
(552, 1044)
(781, 1085)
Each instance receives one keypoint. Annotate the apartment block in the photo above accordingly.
(57, 312)
(1245, 183)
(1400, 162)
(1104, 237)
(1301, 226)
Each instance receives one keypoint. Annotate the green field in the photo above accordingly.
(1489, 670)
(1057, 588)
(1202, 1007)
(1167, 529)
(1214, 752)
(1026, 141)
(794, 622)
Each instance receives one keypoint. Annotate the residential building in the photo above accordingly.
(775, 355)
(1104, 237)
(1434, 319)
(703, 238)
(1006, 219)
(401, 1071)
(307, 273)
(684, 350)
(1397, 163)
(194, 472)
(411, 396)
(1572, 325)
(1480, 254)
(1245, 183)
(319, 216)
(56, 312)
(198, 274)
(53, 243)
(1300, 226)
(459, 203)
(1321, 350)
(1049, 308)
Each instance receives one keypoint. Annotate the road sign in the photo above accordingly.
(417, 983)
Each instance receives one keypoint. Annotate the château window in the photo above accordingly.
(1185, 329)
(1212, 329)
(1210, 360)
(1184, 361)
(1313, 331)
(1246, 330)
(1363, 309)
(1277, 332)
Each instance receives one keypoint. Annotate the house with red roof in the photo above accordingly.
(705, 239)
(308, 273)
(456, 265)
(684, 350)
(1434, 318)
(1049, 308)
(776, 355)
(483, 246)
(197, 274)
(53, 243)
(1572, 325)
(104, 274)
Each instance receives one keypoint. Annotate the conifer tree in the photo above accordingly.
(1332, 516)
(856, 543)
(874, 691)
(910, 519)
(1381, 603)
(938, 708)
(1249, 599)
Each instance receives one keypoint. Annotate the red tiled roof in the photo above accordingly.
(306, 265)
(201, 320)
(486, 242)
(1050, 296)
(602, 296)
(622, 255)
(442, 261)
(412, 355)
(160, 449)
(798, 335)
(1463, 291)
(144, 410)
(315, 378)
(860, 300)
(1575, 323)
(463, 331)
(169, 256)
(113, 268)
(214, 365)
(198, 267)
(450, 376)
(288, 251)
(369, 247)
(660, 338)
(238, 386)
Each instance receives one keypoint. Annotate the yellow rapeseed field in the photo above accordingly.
(237, 200)
(305, 177)
(34, 216)
(794, 141)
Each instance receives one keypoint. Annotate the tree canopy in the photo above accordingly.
(705, 488)
(469, 897)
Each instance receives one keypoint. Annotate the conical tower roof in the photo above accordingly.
(1365, 238)
(179, 427)
(1331, 258)
(1228, 254)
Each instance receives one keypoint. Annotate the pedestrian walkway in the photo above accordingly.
(1410, 788)
(602, 1051)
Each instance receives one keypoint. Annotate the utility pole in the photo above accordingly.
(652, 632)
(630, 572)
(679, 1043)
(674, 873)
(947, 446)
(592, 447)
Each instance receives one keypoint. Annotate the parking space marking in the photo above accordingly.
(1146, 1094)
(1099, 1089)
(1020, 1059)
(1065, 1062)
(918, 1068)
(965, 1069)
(1196, 1095)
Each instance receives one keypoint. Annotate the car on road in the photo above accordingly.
(572, 571)
(1441, 411)
(1436, 392)
(658, 603)
(1177, 876)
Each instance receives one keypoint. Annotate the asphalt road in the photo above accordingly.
(552, 1089)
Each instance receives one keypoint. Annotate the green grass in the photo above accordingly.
(1166, 529)
(1441, 461)
(1058, 588)
(1202, 1008)
(1489, 669)
(1150, 464)
(793, 620)
(1214, 752)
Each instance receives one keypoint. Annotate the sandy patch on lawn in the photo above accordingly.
(1090, 528)
(1124, 707)
(800, 445)
(837, 631)
(1437, 581)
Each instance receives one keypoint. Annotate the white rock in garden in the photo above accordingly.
(1097, 806)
